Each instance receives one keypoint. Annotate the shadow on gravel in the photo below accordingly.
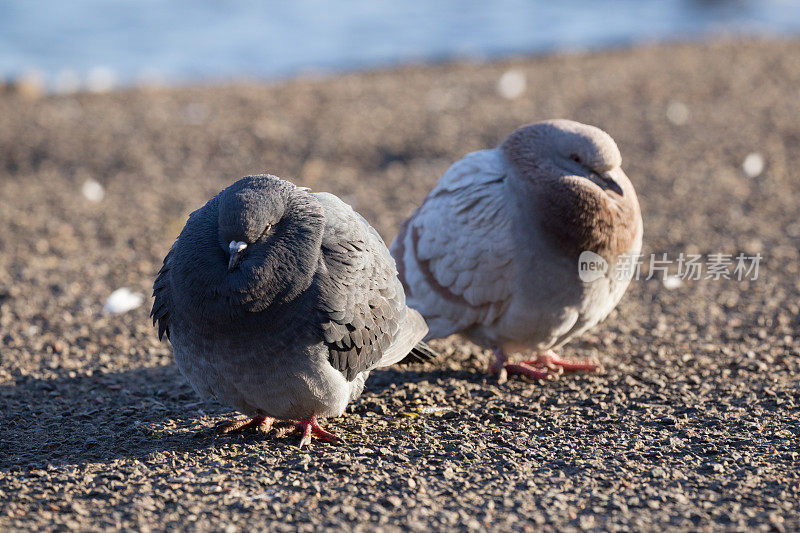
(85, 418)
(383, 378)
(100, 417)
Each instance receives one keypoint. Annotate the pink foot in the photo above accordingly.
(503, 368)
(308, 426)
(550, 360)
(547, 366)
(262, 423)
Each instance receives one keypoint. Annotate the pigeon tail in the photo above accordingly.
(421, 353)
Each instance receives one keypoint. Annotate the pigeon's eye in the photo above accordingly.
(575, 158)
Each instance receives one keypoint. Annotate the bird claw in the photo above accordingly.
(552, 361)
(308, 427)
(502, 375)
(506, 369)
(258, 423)
(529, 371)
(546, 366)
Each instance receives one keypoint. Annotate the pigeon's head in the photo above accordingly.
(564, 149)
(572, 173)
(248, 212)
(255, 244)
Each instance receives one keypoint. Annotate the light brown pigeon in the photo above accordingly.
(493, 251)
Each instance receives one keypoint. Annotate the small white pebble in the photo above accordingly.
(753, 165)
(672, 282)
(511, 84)
(100, 80)
(93, 190)
(122, 300)
(431, 410)
(678, 113)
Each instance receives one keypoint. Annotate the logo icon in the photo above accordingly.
(591, 267)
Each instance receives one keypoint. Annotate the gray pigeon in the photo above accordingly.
(279, 302)
(494, 251)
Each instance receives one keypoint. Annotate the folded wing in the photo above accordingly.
(362, 314)
(162, 299)
(454, 253)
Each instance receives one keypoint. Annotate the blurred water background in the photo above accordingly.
(99, 44)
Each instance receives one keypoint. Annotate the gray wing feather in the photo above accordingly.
(365, 320)
(162, 302)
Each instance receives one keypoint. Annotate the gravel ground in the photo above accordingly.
(693, 425)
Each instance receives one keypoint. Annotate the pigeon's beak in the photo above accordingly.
(236, 250)
(608, 183)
